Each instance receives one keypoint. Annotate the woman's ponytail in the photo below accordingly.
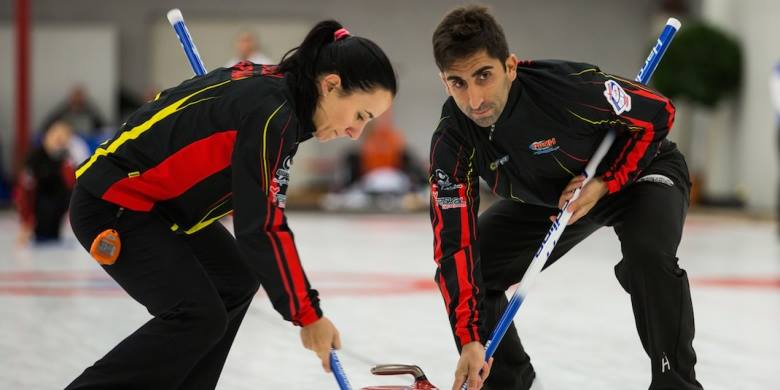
(329, 48)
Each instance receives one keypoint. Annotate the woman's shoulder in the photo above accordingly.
(261, 92)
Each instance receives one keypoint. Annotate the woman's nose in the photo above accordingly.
(355, 132)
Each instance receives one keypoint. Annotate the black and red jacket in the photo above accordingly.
(556, 115)
(217, 144)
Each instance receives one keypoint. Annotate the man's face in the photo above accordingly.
(480, 85)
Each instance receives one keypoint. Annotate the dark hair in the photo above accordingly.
(465, 31)
(359, 62)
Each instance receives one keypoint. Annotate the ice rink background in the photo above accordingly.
(59, 312)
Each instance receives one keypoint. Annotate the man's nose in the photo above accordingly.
(475, 98)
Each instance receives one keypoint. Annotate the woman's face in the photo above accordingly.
(338, 115)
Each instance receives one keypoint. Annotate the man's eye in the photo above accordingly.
(457, 84)
(484, 75)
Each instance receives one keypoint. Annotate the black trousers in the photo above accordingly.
(648, 218)
(197, 288)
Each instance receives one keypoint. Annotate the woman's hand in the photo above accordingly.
(320, 336)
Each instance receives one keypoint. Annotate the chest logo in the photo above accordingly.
(617, 97)
(544, 146)
(501, 161)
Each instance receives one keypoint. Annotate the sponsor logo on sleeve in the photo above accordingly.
(443, 182)
(617, 97)
(450, 202)
(279, 183)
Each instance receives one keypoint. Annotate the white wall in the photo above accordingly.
(611, 33)
(61, 56)
(213, 39)
(755, 24)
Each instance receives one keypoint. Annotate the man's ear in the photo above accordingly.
(329, 83)
(444, 82)
(511, 66)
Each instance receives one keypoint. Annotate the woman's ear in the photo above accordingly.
(329, 83)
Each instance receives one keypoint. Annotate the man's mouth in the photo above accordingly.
(481, 112)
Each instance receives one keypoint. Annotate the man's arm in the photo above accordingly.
(454, 205)
(642, 118)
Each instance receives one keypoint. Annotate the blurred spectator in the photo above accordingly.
(775, 91)
(43, 188)
(79, 112)
(380, 172)
(248, 49)
(130, 101)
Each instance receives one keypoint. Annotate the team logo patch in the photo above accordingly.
(617, 97)
(443, 181)
(545, 146)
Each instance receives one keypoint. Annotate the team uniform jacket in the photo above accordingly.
(216, 144)
(556, 115)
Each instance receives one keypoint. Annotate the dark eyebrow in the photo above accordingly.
(482, 69)
(475, 74)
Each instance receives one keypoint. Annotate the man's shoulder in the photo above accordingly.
(453, 127)
(548, 70)
(452, 118)
(557, 66)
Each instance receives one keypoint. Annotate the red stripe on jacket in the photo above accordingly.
(270, 229)
(463, 310)
(290, 270)
(438, 252)
(636, 154)
(667, 104)
(306, 313)
(465, 242)
(640, 148)
(174, 175)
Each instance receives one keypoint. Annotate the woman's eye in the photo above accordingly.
(360, 117)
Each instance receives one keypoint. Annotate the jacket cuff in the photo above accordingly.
(308, 317)
(467, 335)
(612, 185)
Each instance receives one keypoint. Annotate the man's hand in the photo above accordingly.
(320, 336)
(590, 194)
(472, 361)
